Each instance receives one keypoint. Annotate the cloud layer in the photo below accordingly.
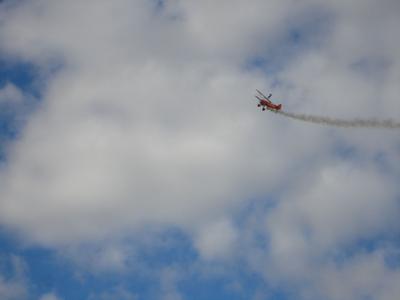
(147, 121)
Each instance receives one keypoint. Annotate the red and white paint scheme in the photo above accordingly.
(265, 103)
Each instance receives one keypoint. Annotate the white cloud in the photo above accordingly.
(115, 293)
(49, 296)
(336, 205)
(100, 258)
(217, 240)
(13, 284)
(363, 276)
(315, 236)
(168, 282)
(126, 138)
(150, 121)
(12, 289)
(10, 93)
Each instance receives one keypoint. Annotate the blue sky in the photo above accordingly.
(135, 164)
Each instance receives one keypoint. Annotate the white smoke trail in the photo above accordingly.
(366, 123)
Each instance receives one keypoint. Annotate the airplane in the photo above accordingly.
(265, 103)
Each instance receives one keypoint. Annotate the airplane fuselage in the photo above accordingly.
(269, 105)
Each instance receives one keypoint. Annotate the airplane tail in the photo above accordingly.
(279, 106)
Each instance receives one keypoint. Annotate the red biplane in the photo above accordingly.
(265, 103)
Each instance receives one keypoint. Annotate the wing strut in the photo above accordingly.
(265, 97)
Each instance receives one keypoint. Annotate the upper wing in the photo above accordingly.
(265, 97)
